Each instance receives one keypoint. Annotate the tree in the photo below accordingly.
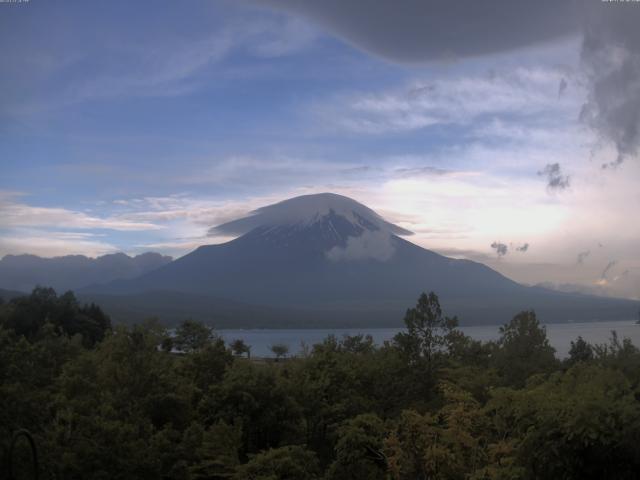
(429, 333)
(450, 443)
(284, 463)
(580, 351)
(28, 315)
(257, 399)
(206, 366)
(359, 450)
(582, 423)
(239, 348)
(360, 343)
(523, 349)
(192, 335)
(280, 350)
(218, 453)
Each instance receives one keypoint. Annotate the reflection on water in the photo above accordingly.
(560, 335)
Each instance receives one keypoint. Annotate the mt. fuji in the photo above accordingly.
(326, 259)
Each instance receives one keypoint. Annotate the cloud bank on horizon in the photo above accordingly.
(463, 122)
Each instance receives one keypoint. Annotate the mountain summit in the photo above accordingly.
(308, 210)
(328, 260)
(338, 226)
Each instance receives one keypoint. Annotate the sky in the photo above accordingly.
(499, 131)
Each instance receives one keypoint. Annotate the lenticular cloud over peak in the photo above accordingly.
(307, 210)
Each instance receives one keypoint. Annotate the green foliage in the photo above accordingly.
(206, 367)
(192, 335)
(239, 348)
(523, 350)
(580, 351)
(284, 463)
(429, 332)
(584, 423)
(28, 316)
(359, 450)
(451, 443)
(218, 453)
(280, 350)
(431, 404)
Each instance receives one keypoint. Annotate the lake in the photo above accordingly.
(560, 335)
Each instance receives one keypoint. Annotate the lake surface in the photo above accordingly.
(560, 335)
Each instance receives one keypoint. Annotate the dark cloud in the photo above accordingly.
(500, 248)
(562, 87)
(423, 31)
(419, 30)
(606, 270)
(611, 57)
(523, 248)
(555, 179)
(582, 256)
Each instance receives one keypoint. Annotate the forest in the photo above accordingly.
(107, 401)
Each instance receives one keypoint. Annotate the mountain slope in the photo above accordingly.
(24, 272)
(327, 253)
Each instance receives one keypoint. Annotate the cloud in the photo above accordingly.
(469, 254)
(448, 100)
(422, 31)
(420, 171)
(523, 248)
(585, 289)
(13, 214)
(369, 245)
(562, 87)
(625, 285)
(556, 181)
(606, 270)
(307, 209)
(113, 60)
(417, 31)
(52, 244)
(279, 37)
(582, 256)
(611, 57)
(500, 248)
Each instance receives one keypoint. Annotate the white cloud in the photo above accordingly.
(180, 67)
(520, 92)
(164, 62)
(13, 215)
(53, 244)
(370, 245)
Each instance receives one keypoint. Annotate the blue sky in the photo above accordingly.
(135, 126)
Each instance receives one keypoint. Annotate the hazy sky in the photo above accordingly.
(500, 131)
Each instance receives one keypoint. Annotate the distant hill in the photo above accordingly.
(172, 307)
(327, 258)
(23, 272)
(9, 294)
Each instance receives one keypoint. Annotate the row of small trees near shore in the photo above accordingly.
(120, 402)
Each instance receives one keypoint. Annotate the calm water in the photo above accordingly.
(560, 335)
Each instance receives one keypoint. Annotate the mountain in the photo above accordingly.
(328, 260)
(6, 295)
(23, 272)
